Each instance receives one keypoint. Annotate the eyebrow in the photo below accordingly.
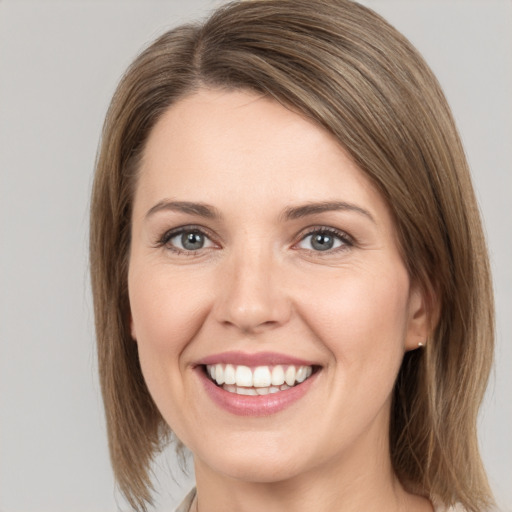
(290, 213)
(199, 209)
(298, 212)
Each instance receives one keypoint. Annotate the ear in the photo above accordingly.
(423, 316)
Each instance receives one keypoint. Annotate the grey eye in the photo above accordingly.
(321, 241)
(190, 241)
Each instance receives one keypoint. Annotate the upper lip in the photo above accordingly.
(255, 359)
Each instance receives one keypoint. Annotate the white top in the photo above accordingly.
(187, 502)
(189, 498)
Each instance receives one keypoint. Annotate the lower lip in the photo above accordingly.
(250, 405)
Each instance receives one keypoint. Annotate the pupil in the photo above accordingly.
(192, 241)
(322, 242)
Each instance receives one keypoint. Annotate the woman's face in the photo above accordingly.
(262, 255)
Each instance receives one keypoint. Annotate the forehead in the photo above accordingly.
(238, 146)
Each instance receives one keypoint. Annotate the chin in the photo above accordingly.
(257, 464)
(257, 471)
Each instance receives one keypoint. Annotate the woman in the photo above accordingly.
(288, 268)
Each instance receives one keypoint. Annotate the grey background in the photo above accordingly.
(59, 64)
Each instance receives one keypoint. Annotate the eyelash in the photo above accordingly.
(164, 240)
(346, 240)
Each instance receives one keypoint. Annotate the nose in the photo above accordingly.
(251, 294)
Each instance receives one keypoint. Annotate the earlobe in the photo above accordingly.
(422, 318)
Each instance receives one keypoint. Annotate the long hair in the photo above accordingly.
(343, 66)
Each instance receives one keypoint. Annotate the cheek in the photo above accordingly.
(362, 322)
(361, 316)
(167, 311)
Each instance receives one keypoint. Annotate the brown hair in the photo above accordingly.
(343, 66)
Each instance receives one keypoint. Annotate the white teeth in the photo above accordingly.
(245, 391)
(300, 376)
(254, 391)
(229, 374)
(243, 376)
(277, 375)
(260, 380)
(219, 374)
(289, 376)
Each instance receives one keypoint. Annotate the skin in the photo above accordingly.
(258, 284)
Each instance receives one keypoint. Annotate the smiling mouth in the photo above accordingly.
(260, 380)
